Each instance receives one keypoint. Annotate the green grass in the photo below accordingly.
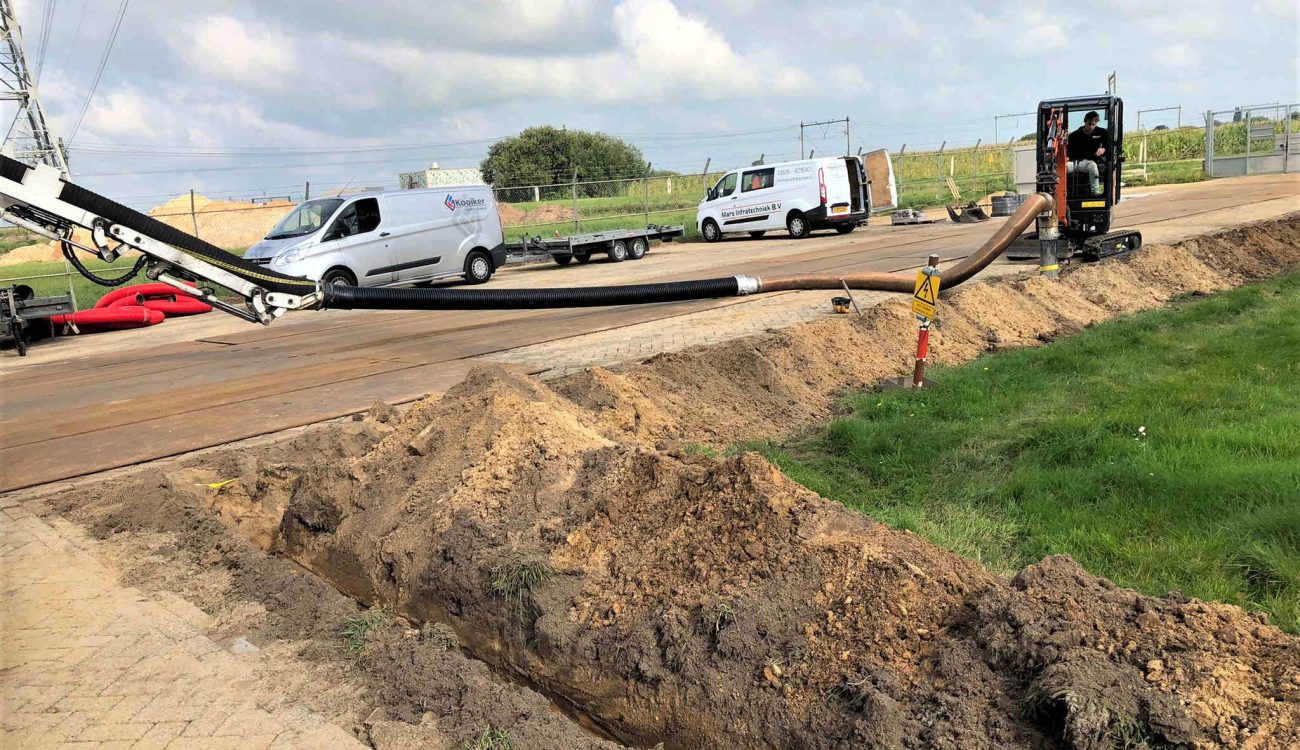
(491, 739)
(514, 578)
(357, 627)
(1161, 451)
(86, 290)
(1165, 173)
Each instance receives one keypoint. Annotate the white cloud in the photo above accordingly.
(658, 52)
(1175, 57)
(242, 53)
(1039, 34)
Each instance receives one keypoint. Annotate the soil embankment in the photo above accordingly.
(700, 602)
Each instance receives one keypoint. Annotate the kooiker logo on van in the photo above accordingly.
(454, 203)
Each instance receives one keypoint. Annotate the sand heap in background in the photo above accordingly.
(708, 602)
(226, 224)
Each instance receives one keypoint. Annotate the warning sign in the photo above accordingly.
(926, 295)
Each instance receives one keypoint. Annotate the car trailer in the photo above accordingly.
(618, 244)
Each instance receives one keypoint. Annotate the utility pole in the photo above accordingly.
(29, 138)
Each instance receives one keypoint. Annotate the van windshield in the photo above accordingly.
(305, 219)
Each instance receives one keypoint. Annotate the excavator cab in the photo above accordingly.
(1085, 218)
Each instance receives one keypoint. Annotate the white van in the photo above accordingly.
(798, 196)
(389, 238)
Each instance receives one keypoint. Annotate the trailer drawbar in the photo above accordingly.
(39, 199)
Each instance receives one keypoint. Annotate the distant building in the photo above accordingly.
(435, 176)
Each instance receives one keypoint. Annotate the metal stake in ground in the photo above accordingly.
(924, 300)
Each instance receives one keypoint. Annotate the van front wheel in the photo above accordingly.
(338, 277)
(798, 226)
(478, 267)
(709, 231)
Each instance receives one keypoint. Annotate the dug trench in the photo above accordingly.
(572, 543)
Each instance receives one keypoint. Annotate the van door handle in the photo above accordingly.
(384, 234)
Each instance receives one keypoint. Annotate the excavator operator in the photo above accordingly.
(1086, 147)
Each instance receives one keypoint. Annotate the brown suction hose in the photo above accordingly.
(904, 282)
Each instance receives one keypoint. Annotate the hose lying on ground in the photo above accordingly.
(359, 298)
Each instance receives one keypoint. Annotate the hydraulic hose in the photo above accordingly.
(351, 297)
(359, 298)
(902, 282)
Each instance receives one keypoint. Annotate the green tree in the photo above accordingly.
(550, 156)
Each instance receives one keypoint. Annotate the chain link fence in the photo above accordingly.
(1157, 153)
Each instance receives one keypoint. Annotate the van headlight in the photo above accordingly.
(286, 257)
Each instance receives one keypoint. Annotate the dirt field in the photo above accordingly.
(555, 563)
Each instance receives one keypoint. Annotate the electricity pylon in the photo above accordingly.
(29, 138)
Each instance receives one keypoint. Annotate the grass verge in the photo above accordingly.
(1161, 451)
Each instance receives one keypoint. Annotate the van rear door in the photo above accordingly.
(857, 184)
(834, 174)
(880, 180)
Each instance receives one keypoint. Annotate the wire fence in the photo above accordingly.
(570, 204)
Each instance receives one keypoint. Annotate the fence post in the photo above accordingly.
(577, 225)
(938, 183)
(1209, 143)
(1248, 139)
(72, 293)
(648, 170)
(194, 218)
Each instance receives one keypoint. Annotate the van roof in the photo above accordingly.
(376, 193)
(786, 163)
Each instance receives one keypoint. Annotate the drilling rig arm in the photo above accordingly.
(40, 200)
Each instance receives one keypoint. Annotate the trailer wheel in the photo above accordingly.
(709, 230)
(618, 251)
(845, 228)
(478, 267)
(582, 257)
(638, 248)
(798, 225)
(564, 260)
(758, 234)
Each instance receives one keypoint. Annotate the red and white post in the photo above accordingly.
(923, 333)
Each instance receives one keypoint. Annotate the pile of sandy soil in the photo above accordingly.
(223, 223)
(41, 252)
(700, 602)
(546, 213)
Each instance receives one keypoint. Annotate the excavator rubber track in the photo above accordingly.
(1110, 245)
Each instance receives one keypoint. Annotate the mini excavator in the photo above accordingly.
(1079, 220)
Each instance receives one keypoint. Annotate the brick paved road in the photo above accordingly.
(88, 663)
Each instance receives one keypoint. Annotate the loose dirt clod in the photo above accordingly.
(665, 595)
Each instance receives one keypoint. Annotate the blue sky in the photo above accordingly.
(225, 96)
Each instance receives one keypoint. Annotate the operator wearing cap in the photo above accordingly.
(1085, 147)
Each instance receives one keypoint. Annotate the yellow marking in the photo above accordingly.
(219, 485)
(1053, 267)
(1093, 204)
(926, 294)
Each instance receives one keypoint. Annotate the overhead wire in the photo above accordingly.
(76, 37)
(47, 22)
(99, 72)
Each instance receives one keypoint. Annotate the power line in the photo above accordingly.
(103, 61)
(76, 37)
(47, 22)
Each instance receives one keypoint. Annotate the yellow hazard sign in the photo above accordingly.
(926, 295)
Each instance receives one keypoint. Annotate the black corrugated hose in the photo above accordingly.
(364, 298)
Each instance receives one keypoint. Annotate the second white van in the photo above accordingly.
(798, 196)
(389, 238)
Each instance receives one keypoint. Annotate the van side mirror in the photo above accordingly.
(712, 194)
(336, 232)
